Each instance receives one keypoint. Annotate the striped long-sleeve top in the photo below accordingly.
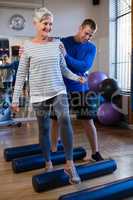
(45, 64)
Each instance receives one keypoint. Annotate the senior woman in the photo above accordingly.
(43, 58)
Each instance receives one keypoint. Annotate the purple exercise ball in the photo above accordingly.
(108, 114)
(95, 78)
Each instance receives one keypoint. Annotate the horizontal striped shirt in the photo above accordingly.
(46, 65)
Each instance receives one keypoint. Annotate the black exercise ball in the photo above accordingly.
(117, 100)
(107, 88)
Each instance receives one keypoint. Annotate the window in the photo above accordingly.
(120, 43)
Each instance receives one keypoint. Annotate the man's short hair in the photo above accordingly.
(89, 22)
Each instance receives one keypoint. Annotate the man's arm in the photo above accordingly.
(82, 65)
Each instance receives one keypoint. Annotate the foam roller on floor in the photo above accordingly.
(117, 190)
(55, 179)
(38, 161)
(26, 150)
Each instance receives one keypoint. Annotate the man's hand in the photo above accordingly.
(63, 50)
(82, 79)
(15, 107)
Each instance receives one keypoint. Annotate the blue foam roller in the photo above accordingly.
(26, 150)
(112, 191)
(55, 179)
(38, 161)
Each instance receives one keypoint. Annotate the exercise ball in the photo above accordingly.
(95, 78)
(117, 100)
(101, 99)
(108, 114)
(107, 88)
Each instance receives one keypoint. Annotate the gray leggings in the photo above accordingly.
(61, 107)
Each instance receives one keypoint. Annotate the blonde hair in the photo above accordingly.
(41, 13)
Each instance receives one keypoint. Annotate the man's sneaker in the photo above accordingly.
(73, 175)
(97, 157)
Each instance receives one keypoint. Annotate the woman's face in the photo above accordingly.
(44, 26)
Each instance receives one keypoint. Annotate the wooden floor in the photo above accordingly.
(114, 142)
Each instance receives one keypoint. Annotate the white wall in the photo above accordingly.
(5, 15)
(101, 14)
(67, 17)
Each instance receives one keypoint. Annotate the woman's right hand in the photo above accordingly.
(15, 107)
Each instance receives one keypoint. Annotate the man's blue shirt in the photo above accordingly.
(79, 59)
